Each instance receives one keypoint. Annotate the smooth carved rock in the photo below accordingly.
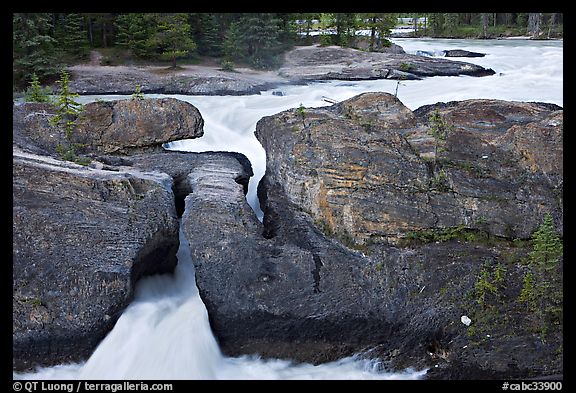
(302, 287)
(82, 237)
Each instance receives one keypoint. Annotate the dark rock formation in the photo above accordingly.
(332, 62)
(366, 249)
(462, 53)
(82, 237)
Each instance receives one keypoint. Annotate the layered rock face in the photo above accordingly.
(373, 243)
(365, 169)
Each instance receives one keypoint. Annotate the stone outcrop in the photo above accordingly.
(191, 80)
(377, 238)
(462, 53)
(110, 126)
(309, 63)
(82, 237)
(365, 249)
(300, 65)
(351, 167)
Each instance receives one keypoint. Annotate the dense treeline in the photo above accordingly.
(489, 25)
(44, 42)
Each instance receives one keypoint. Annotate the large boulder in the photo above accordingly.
(121, 126)
(351, 166)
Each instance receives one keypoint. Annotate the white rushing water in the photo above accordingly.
(165, 334)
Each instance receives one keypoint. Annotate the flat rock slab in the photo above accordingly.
(334, 62)
(192, 80)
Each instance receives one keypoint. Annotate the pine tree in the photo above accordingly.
(172, 37)
(210, 42)
(71, 36)
(436, 24)
(132, 33)
(450, 23)
(33, 49)
(547, 245)
(35, 92)
(259, 35)
(380, 26)
(232, 46)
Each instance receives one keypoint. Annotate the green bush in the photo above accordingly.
(227, 65)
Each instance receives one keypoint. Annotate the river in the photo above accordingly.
(165, 334)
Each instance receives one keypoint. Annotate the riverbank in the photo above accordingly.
(300, 65)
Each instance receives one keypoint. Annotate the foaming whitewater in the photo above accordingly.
(165, 333)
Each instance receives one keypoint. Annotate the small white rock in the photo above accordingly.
(484, 157)
(465, 320)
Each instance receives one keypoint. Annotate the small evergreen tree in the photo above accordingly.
(547, 246)
(138, 95)
(36, 93)
(67, 112)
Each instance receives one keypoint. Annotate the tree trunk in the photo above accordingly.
(104, 42)
(484, 25)
(551, 24)
(373, 34)
(90, 35)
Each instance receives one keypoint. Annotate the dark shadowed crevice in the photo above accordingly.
(316, 272)
(271, 218)
(180, 189)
